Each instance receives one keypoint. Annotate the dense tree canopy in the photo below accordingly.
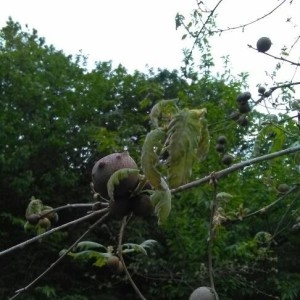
(58, 118)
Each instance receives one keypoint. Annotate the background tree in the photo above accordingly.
(58, 118)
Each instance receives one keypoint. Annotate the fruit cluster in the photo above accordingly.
(125, 201)
(221, 148)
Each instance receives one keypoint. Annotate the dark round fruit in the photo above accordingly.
(142, 206)
(120, 208)
(283, 188)
(222, 140)
(243, 97)
(227, 159)
(263, 44)
(220, 148)
(202, 293)
(244, 108)
(109, 164)
(261, 90)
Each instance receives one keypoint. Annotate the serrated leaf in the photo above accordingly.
(162, 112)
(151, 148)
(185, 144)
(162, 200)
(118, 176)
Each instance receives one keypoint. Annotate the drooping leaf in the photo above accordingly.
(150, 156)
(141, 248)
(162, 112)
(204, 142)
(162, 200)
(35, 206)
(186, 144)
(116, 177)
(85, 245)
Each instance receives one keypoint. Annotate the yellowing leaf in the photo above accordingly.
(162, 199)
(187, 142)
(150, 156)
(162, 112)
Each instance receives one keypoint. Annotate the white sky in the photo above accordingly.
(137, 33)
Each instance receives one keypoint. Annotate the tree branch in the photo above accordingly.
(235, 167)
(36, 238)
(18, 292)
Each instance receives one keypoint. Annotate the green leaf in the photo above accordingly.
(35, 206)
(85, 245)
(141, 248)
(162, 200)
(162, 112)
(150, 156)
(222, 196)
(118, 176)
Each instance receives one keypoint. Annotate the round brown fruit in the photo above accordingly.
(227, 159)
(33, 219)
(263, 44)
(243, 97)
(44, 223)
(220, 148)
(120, 207)
(114, 264)
(222, 140)
(283, 188)
(244, 108)
(106, 166)
(202, 293)
(49, 213)
(261, 90)
(142, 206)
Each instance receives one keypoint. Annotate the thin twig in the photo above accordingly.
(234, 168)
(212, 231)
(251, 22)
(121, 234)
(36, 238)
(18, 292)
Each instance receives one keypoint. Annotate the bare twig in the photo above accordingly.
(251, 22)
(36, 238)
(121, 234)
(276, 57)
(212, 231)
(234, 168)
(18, 292)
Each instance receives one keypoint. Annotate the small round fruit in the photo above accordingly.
(50, 214)
(234, 115)
(263, 44)
(44, 223)
(202, 293)
(106, 166)
(222, 140)
(114, 264)
(142, 206)
(119, 208)
(227, 159)
(243, 97)
(220, 148)
(261, 90)
(244, 108)
(283, 188)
